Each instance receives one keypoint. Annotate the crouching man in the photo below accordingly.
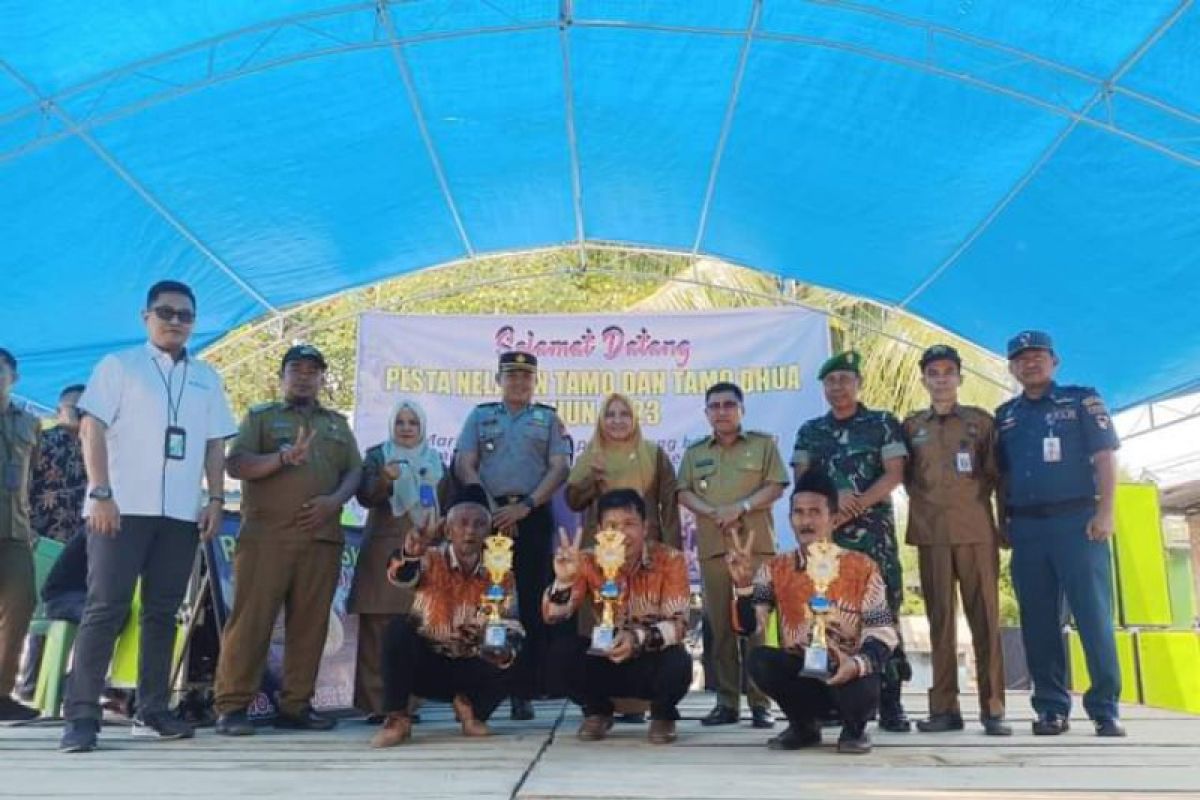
(438, 651)
(836, 631)
(638, 650)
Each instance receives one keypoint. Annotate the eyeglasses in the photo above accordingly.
(166, 314)
(722, 405)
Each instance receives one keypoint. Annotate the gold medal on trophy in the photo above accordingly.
(822, 569)
(497, 560)
(610, 557)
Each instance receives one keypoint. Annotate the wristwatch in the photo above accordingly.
(101, 493)
(745, 506)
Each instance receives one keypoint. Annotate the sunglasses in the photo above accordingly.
(166, 314)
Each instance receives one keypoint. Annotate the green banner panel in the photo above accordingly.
(1170, 662)
(1141, 560)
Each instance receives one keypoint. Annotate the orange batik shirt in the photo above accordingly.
(447, 603)
(860, 622)
(654, 596)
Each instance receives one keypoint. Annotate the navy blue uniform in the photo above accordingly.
(1045, 447)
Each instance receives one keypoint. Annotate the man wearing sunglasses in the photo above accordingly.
(156, 419)
(730, 480)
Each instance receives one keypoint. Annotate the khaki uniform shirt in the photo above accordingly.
(950, 477)
(270, 505)
(20, 433)
(722, 475)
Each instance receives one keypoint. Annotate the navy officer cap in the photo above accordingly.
(518, 360)
(1029, 340)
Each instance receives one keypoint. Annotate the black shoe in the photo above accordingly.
(633, 718)
(161, 725)
(520, 709)
(12, 711)
(761, 717)
(793, 738)
(306, 720)
(375, 719)
(940, 723)
(996, 726)
(894, 720)
(79, 736)
(854, 744)
(720, 715)
(235, 723)
(1109, 728)
(1050, 725)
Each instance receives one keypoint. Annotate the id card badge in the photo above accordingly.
(1051, 450)
(428, 500)
(12, 477)
(175, 446)
(962, 462)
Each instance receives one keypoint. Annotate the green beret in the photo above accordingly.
(842, 362)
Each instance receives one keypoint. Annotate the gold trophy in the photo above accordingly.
(822, 568)
(610, 557)
(497, 560)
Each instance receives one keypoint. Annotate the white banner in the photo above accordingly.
(663, 362)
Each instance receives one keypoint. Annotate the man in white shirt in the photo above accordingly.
(156, 419)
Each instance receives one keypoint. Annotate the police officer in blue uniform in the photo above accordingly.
(1058, 473)
(519, 451)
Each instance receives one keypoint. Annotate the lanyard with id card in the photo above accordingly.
(1051, 449)
(962, 462)
(175, 436)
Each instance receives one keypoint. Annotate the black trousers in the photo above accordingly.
(662, 677)
(805, 701)
(533, 571)
(411, 667)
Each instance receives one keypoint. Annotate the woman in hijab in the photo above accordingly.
(403, 483)
(618, 457)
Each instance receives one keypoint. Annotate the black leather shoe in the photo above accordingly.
(306, 720)
(761, 717)
(235, 723)
(720, 715)
(894, 720)
(996, 726)
(1050, 725)
(853, 744)
(940, 723)
(12, 711)
(794, 738)
(520, 709)
(1109, 728)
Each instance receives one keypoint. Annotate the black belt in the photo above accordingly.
(1043, 510)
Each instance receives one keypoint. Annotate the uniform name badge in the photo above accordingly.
(962, 462)
(175, 443)
(822, 569)
(610, 555)
(1051, 450)
(12, 477)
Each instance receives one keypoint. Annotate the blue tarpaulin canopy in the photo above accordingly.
(989, 165)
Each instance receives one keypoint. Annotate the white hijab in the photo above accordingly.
(418, 465)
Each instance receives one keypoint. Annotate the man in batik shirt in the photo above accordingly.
(856, 628)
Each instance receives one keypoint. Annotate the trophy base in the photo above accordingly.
(816, 664)
(495, 637)
(603, 638)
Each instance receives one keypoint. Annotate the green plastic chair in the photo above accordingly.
(45, 552)
(56, 655)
